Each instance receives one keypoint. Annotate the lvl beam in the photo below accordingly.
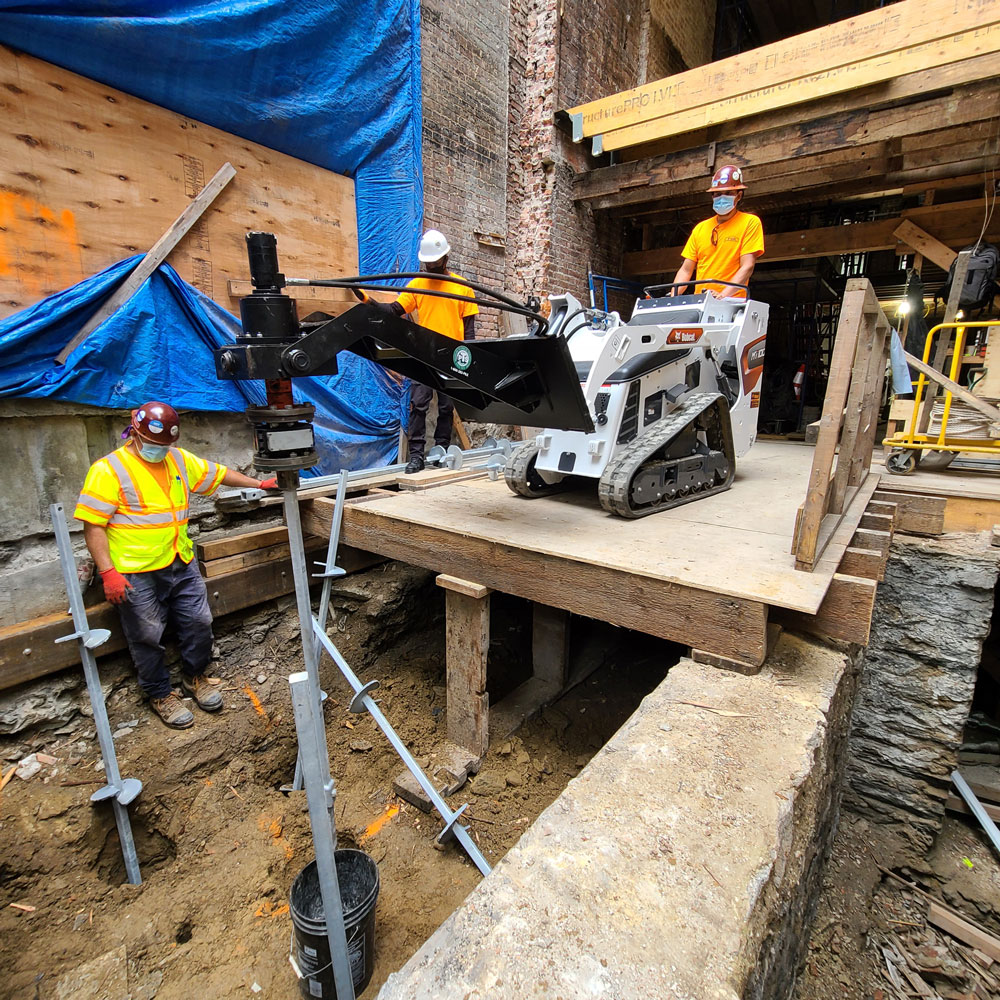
(861, 51)
(89, 175)
(857, 135)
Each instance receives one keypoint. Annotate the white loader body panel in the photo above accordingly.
(636, 373)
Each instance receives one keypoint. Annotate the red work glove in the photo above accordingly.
(115, 585)
(269, 484)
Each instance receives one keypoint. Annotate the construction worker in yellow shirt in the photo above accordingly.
(451, 318)
(726, 246)
(134, 506)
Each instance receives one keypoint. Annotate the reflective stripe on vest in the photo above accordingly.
(101, 506)
(125, 480)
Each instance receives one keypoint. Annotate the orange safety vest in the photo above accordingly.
(146, 525)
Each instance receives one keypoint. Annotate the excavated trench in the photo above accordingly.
(219, 844)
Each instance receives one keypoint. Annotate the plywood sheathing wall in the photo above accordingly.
(89, 175)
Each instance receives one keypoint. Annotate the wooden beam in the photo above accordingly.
(986, 409)
(728, 626)
(964, 930)
(952, 224)
(866, 563)
(155, 256)
(452, 583)
(916, 514)
(28, 649)
(861, 133)
(550, 645)
(923, 243)
(845, 614)
(468, 647)
(858, 52)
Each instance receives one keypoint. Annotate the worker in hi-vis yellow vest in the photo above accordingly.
(134, 506)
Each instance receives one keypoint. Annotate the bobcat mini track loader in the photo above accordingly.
(673, 392)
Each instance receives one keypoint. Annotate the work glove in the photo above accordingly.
(269, 484)
(361, 295)
(115, 586)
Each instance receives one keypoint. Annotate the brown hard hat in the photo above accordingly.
(157, 422)
(727, 178)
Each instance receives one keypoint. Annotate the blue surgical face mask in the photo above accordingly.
(153, 452)
(723, 203)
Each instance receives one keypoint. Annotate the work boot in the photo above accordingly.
(205, 694)
(415, 464)
(172, 711)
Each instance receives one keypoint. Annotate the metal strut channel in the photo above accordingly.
(121, 791)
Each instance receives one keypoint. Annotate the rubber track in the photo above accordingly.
(515, 474)
(614, 489)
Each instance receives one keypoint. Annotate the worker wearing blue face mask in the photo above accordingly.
(134, 506)
(725, 247)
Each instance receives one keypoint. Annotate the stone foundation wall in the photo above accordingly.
(932, 613)
(45, 451)
(680, 862)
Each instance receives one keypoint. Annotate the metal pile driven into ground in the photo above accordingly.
(121, 791)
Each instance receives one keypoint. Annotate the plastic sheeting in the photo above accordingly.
(332, 82)
(159, 346)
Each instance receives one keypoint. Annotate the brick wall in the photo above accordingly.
(464, 56)
(494, 162)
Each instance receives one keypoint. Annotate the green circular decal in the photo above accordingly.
(461, 357)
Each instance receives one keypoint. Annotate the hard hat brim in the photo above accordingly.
(728, 187)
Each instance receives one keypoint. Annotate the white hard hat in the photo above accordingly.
(433, 246)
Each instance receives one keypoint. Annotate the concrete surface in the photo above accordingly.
(681, 862)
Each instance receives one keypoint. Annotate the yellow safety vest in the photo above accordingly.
(147, 526)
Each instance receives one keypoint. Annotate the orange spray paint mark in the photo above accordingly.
(377, 825)
(38, 245)
(268, 909)
(275, 830)
(255, 701)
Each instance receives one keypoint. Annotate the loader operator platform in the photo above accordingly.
(726, 246)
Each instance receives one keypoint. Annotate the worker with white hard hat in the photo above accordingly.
(726, 246)
(451, 317)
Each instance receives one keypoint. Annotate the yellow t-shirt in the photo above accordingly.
(444, 316)
(741, 234)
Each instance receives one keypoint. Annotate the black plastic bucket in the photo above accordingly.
(358, 877)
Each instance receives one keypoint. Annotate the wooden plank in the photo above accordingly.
(943, 346)
(725, 625)
(468, 645)
(867, 563)
(956, 804)
(849, 325)
(89, 175)
(550, 645)
(865, 133)
(452, 583)
(922, 242)
(245, 541)
(463, 434)
(154, 257)
(255, 557)
(881, 507)
(871, 402)
(858, 52)
(915, 514)
(877, 522)
(846, 612)
(965, 931)
(977, 403)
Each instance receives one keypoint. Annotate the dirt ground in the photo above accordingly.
(867, 918)
(219, 843)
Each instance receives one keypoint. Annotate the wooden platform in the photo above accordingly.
(704, 574)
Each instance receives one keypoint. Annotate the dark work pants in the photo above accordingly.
(174, 595)
(420, 400)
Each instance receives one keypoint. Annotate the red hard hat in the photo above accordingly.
(727, 178)
(157, 422)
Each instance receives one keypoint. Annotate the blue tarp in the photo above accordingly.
(331, 82)
(159, 346)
